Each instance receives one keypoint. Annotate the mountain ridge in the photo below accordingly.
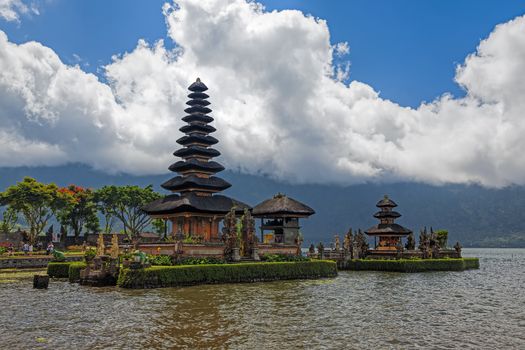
(474, 215)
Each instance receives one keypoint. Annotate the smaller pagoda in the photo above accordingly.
(280, 219)
(387, 233)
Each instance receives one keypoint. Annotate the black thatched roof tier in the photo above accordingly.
(198, 86)
(196, 151)
(196, 165)
(193, 203)
(197, 109)
(197, 189)
(282, 205)
(184, 183)
(388, 230)
(387, 214)
(198, 95)
(199, 102)
(197, 139)
(197, 117)
(192, 128)
(386, 202)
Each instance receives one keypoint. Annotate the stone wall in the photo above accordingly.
(196, 250)
(277, 249)
(211, 249)
(31, 262)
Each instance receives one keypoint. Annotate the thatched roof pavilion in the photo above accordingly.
(280, 218)
(282, 205)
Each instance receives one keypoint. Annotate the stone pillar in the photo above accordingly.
(255, 254)
(186, 226)
(214, 233)
(235, 254)
(40, 281)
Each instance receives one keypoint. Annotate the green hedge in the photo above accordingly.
(412, 265)
(171, 276)
(58, 269)
(471, 263)
(74, 271)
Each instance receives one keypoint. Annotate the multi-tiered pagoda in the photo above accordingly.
(195, 209)
(388, 232)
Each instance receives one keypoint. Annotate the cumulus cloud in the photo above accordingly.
(10, 10)
(280, 104)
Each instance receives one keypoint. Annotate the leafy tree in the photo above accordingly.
(125, 203)
(9, 220)
(80, 211)
(106, 202)
(37, 202)
(160, 226)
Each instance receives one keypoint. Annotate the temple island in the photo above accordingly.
(213, 238)
(394, 247)
(201, 217)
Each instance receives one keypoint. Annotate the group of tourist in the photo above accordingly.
(28, 248)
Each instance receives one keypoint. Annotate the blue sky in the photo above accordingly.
(279, 104)
(406, 49)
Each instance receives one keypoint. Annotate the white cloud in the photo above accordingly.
(279, 103)
(341, 49)
(10, 10)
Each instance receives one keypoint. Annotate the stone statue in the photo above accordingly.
(298, 243)
(457, 247)
(114, 246)
(411, 242)
(337, 243)
(101, 248)
(435, 251)
(311, 250)
(348, 244)
(320, 250)
(424, 243)
(399, 247)
(248, 235)
(230, 238)
(361, 245)
(432, 239)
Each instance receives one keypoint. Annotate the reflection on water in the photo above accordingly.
(479, 309)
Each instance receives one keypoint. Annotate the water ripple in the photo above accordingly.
(480, 309)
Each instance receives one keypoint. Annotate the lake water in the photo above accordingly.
(477, 309)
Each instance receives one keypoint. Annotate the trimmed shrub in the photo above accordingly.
(200, 261)
(58, 269)
(171, 276)
(471, 263)
(283, 257)
(412, 265)
(160, 260)
(74, 271)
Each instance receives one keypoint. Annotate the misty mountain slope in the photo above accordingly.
(474, 215)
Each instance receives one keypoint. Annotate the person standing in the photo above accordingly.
(30, 249)
(10, 250)
(50, 248)
(25, 248)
